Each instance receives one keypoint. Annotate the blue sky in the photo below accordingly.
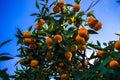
(16, 13)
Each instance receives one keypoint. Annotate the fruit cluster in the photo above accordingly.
(57, 46)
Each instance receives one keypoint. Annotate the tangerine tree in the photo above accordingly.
(58, 44)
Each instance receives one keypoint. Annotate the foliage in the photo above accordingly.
(59, 44)
(4, 57)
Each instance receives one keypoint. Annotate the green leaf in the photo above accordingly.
(105, 44)
(30, 28)
(71, 29)
(2, 54)
(94, 46)
(37, 4)
(69, 5)
(92, 32)
(80, 14)
(90, 13)
(5, 42)
(19, 32)
(92, 55)
(103, 70)
(77, 1)
(3, 58)
(50, 28)
(35, 14)
(77, 75)
(52, 4)
(106, 61)
(98, 43)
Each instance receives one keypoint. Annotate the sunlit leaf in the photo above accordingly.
(90, 13)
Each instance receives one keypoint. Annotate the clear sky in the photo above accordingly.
(16, 13)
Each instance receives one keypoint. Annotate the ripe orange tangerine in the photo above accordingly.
(41, 21)
(38, 27)
(76, 7)
(34, 63)
(91, 22)
(58, 38)
(100, 53)
(113, 63)
(117, 45)
(97, 26)
(68, 55)
(83, 32)
(61, 4)
(79, 39)
(26, 34)
(48, 41)
(27, 40)
(56, 9)
(63, 76)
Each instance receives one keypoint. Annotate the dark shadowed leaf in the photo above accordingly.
(37, 4)
(77, 1)
(69, 5)
(3, 58)
(30, 28)
(52, 4)
(35, 14)
(98, 43)
(3, 43)
(92, 55)
(2, 54)
(106, 61)
(92, 32)
(19, 32)
(4, 75)
(105, 44)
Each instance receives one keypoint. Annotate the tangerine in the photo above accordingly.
(113, 63)
(48, 41)
(58, 38)
(76, 7)
(117, 45)
(34, 63)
